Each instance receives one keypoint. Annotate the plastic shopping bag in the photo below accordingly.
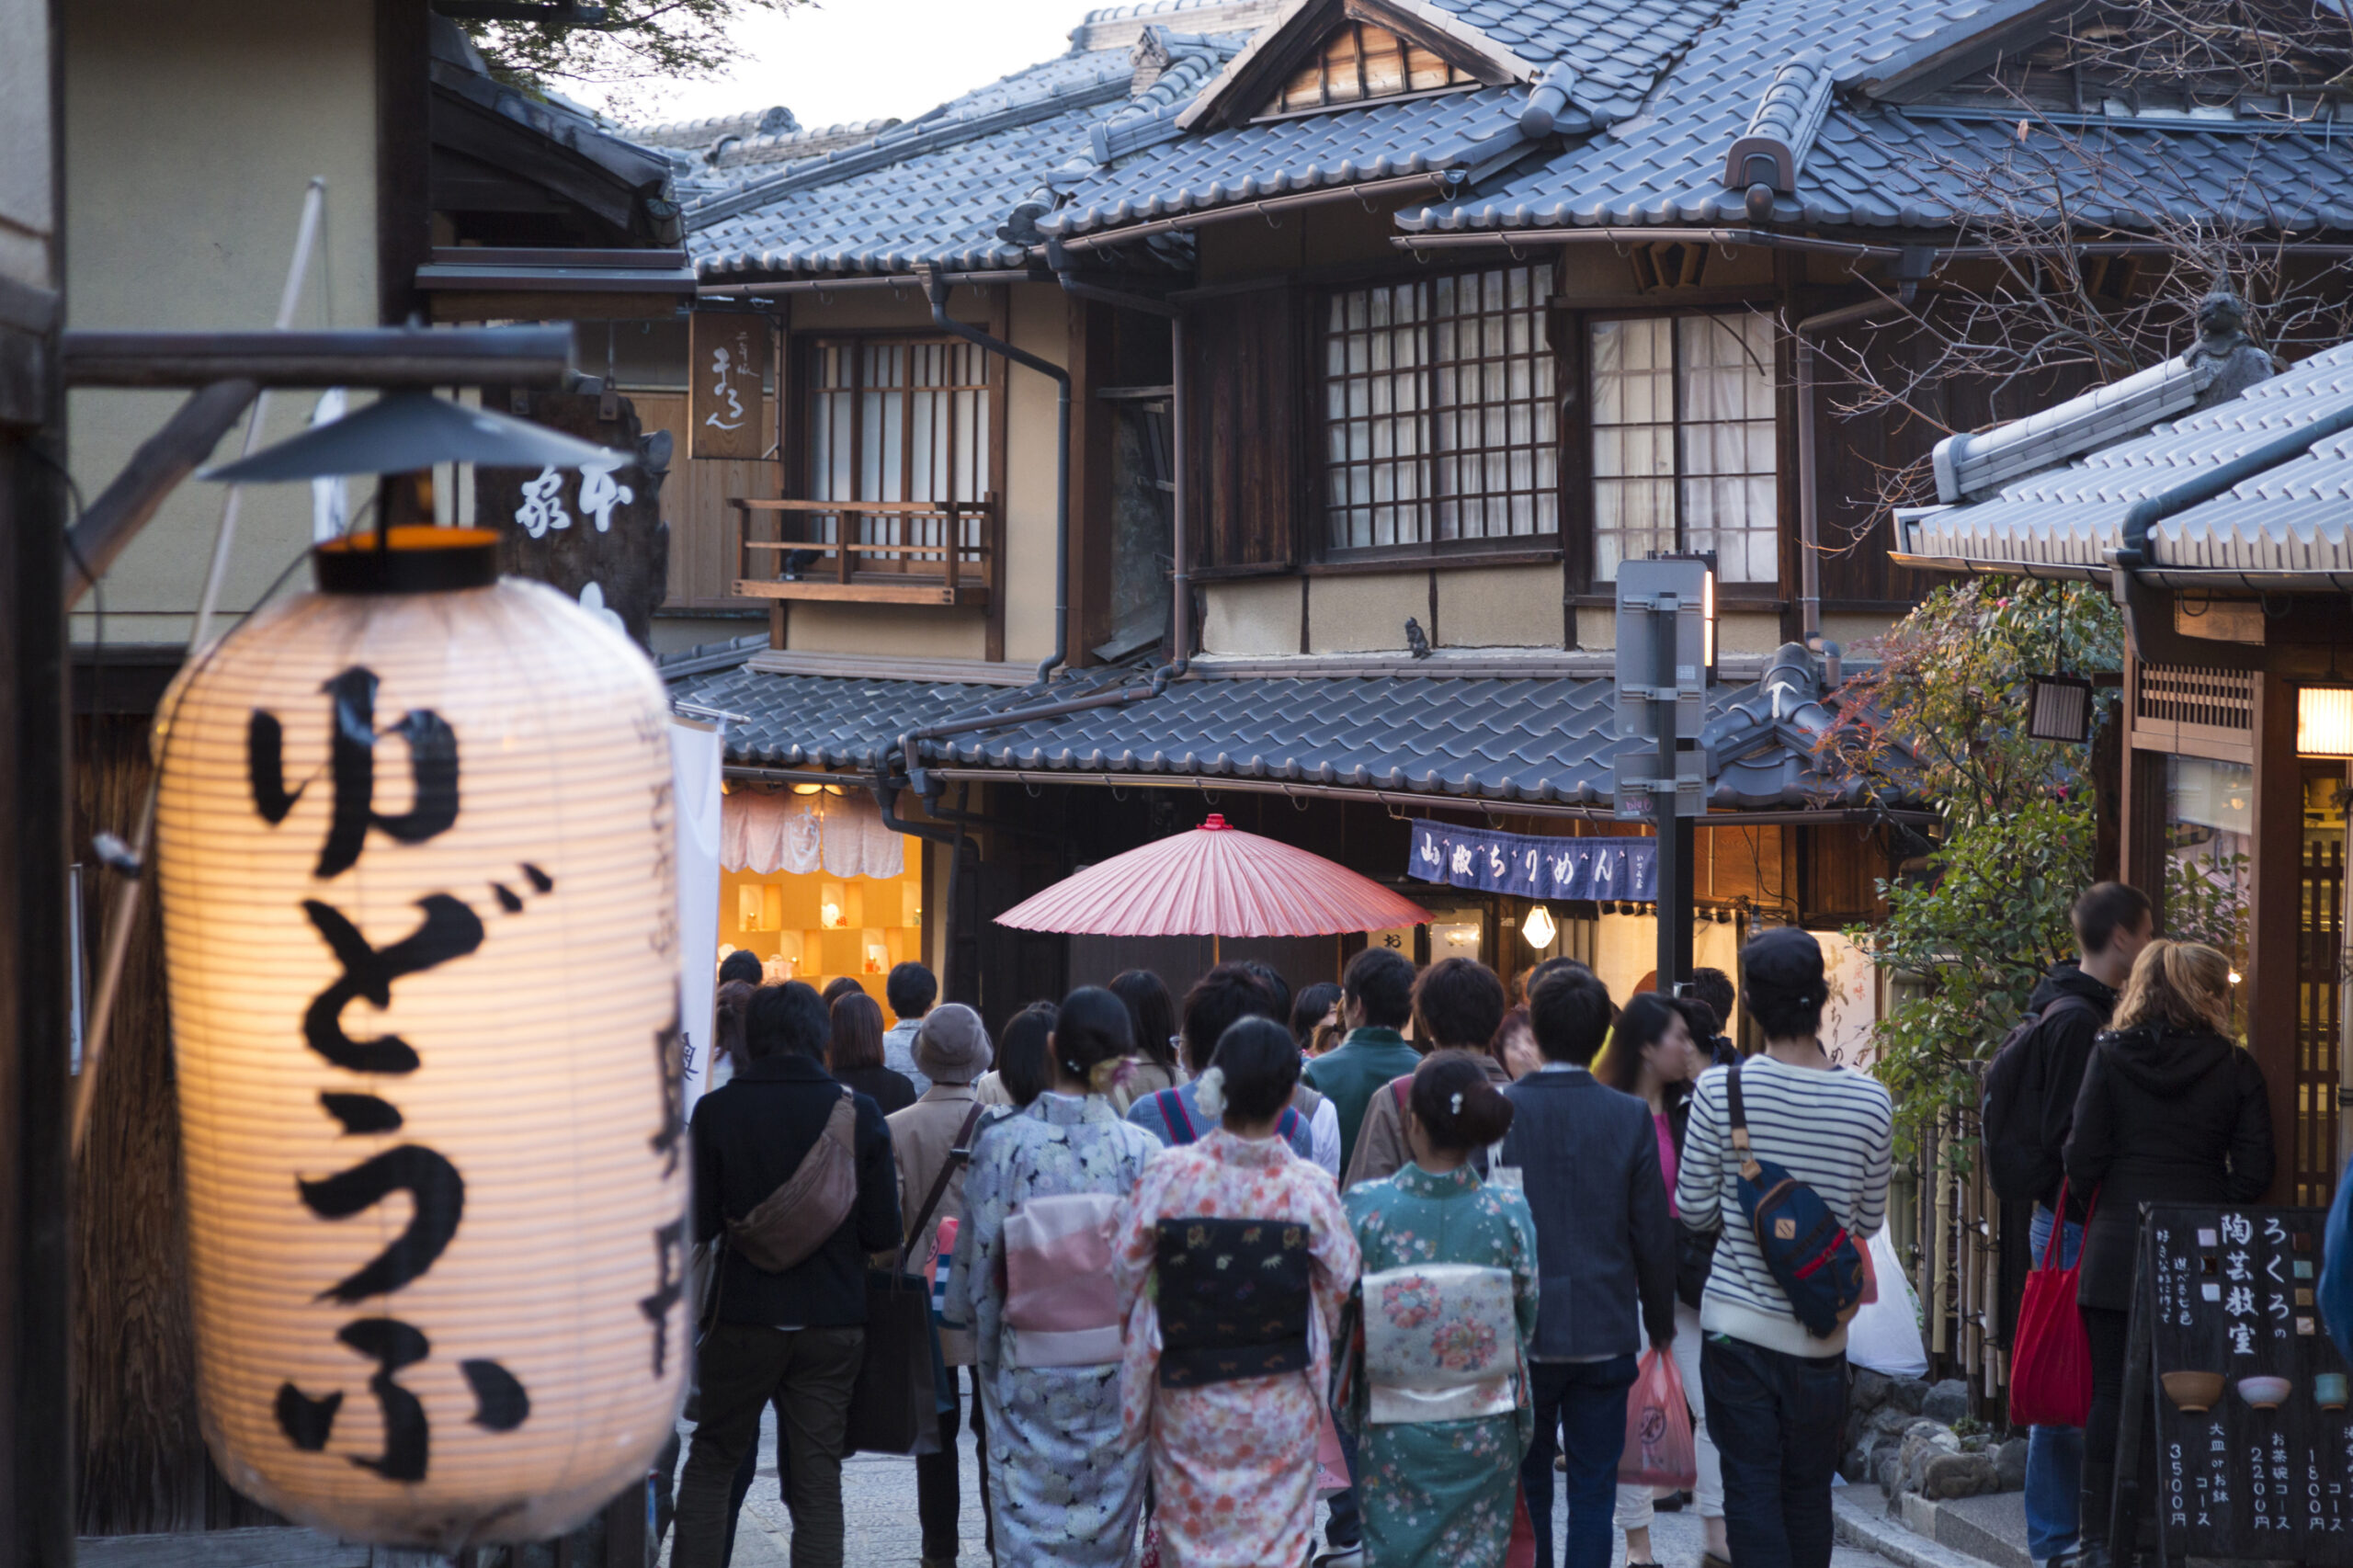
(1658, 1450)
(1885, 1336)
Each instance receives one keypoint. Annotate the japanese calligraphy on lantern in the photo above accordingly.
(1531, 865)
(2257, 1474)
(417, 858)
(730, 358)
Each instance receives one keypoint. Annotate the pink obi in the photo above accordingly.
(1061, 1306)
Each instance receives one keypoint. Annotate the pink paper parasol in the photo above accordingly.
(1215, 882)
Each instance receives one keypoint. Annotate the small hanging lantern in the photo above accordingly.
(416, 855)
(2058, 708)
(2324, 721)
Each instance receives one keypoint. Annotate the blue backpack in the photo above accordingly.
(1818, 1265)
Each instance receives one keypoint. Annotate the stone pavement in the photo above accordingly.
(879, 1505)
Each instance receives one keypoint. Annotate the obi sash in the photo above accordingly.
(1061, 1308)
(1441, 1342)
(1233, 1299)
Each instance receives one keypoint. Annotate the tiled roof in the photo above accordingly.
(1378, 141)
(2288, 524)
(1862, 162)
(695, 135)
(1548, 734)
(805, 721)
(935, 189)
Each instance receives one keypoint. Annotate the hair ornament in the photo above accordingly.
(1210, 1092)
(1457, 1105)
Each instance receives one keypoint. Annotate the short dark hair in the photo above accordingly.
(840, 987)
(1307, 1008)
(1446, 1078)
(911, 990)
(1529, 979)
(1712, 986)
(857, 1033)
(1459, 1002)
(1570, 1012)
(1151, 1010)
(785, 1020)
(1229, 991)
(1381, 980)
(1783, 974)
(1023, 1064)
(1701, 1020)
(1642, 1021)
(1260, 1062)
(1090, 1027)
(742, 964)
(2102, 910)
(1278, 988)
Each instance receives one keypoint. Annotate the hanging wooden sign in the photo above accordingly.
(729, 355)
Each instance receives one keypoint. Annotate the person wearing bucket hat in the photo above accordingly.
(932, 1140)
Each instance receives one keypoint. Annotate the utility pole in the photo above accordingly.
(1666, 655)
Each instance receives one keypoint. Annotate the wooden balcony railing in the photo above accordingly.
(897, 552)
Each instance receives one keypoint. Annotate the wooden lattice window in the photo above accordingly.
(1361, 62)
(1440, 422)
(898, 419)
(1684, 442)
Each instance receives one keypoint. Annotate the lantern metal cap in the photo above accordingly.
(403, 432)
(415, 559)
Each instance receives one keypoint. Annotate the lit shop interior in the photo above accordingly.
(817, 887)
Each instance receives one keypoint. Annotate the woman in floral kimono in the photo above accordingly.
(1032, 1275)
(1233, 1259)
(1436, 1387)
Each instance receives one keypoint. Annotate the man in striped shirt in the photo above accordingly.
(1777, 1395)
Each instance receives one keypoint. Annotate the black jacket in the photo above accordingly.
(749, 1137)
(2164, 1117)
(894, 1092)
(2064, 1044)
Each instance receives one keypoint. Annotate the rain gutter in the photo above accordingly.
(1493, 808)
(833, 285)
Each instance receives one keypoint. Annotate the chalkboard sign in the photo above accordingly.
(2235, 1372)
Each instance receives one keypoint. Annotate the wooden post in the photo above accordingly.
(952, 537)
(2269, 996)
(842, 557)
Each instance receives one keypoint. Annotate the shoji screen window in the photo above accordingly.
(1684, 442)
(1440, 423)
(899, 419)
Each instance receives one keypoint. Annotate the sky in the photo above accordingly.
(850, 59)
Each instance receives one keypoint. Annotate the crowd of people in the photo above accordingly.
(1398, 1243)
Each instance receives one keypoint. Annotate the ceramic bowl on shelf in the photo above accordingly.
(2194, 1391)
(2264, 1394)
(2329, 1391)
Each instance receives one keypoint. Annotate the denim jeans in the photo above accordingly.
(1585, 1403)
(1777, 1419)
(2055, 1455)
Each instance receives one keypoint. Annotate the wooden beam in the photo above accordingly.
(154, 471)
(2275, 919)
(904, 591)
(403, 154)
(368, 356)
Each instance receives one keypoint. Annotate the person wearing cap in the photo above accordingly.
(1776, 1394)
(932, 1139)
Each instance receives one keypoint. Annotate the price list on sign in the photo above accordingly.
(2245, 1392)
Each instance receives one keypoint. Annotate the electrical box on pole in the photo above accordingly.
(1667, 657)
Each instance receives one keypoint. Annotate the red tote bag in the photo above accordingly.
(2051, 1369)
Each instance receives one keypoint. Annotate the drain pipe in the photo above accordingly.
(886, 797)
(1911, 266)
(1180, 631)
(936, 284)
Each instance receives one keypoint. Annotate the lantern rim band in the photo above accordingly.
(416, 559)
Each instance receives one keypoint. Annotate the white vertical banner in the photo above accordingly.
(697, 756)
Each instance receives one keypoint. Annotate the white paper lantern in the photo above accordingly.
(414, 835)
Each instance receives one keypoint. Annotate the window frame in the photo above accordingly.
(1543, 545)
(1274, 108)
(1574, 336)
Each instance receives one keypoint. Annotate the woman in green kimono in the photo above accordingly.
(1434, 1384)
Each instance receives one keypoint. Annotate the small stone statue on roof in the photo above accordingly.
(2222, 337)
